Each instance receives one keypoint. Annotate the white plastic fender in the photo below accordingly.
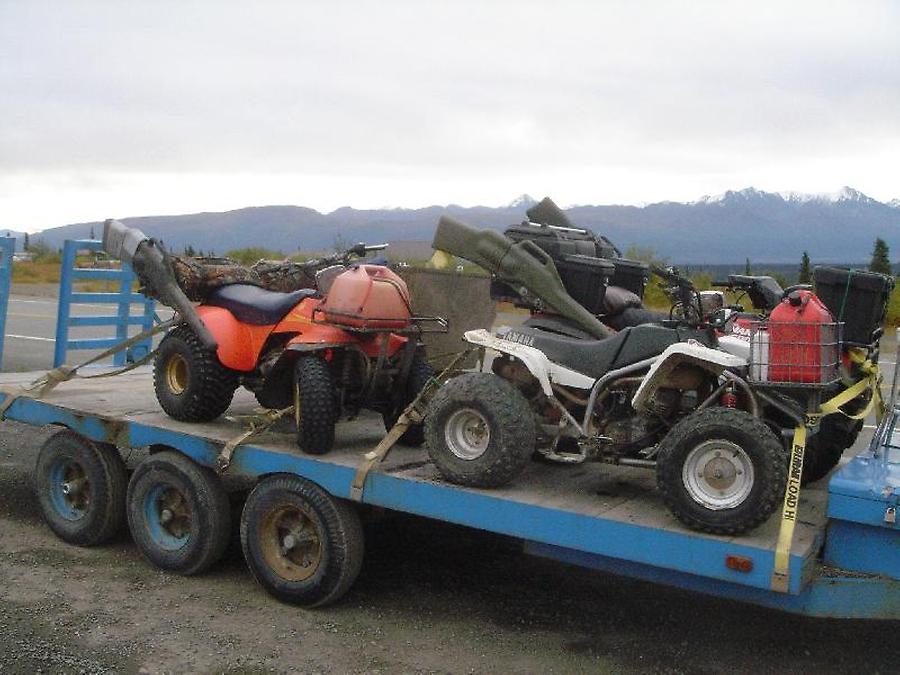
(737, 346)
(713, 360)
(534, 359)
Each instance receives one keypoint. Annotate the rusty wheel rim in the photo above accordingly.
(168, 516)
(290, 542)
(70, 489)
(177, 374)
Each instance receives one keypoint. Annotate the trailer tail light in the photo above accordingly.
(739, 563)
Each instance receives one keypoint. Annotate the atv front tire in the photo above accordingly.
(420, 372)
(191, 385)
(315, 410)
(721, 471)
(479, 430)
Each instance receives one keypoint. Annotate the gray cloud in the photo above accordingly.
(653, 98)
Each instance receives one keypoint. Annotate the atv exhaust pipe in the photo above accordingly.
(521, 263)
(152, 267)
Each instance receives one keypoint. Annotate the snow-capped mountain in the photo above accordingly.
(523, 201)
(727, 228)
(845, 194)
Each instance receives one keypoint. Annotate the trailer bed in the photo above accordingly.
(593, 514)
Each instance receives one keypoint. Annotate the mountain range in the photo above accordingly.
(727, 228)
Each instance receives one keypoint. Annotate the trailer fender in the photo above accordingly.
(544, 370)
(690, 353)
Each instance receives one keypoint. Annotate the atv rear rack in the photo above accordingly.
(798, 355)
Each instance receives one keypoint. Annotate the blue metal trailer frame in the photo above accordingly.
(844, 562)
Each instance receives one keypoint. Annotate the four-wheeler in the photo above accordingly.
(350, 343)
(711, 413)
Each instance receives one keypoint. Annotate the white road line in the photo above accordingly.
(30, 337)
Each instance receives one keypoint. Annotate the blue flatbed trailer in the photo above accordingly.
(844, 561)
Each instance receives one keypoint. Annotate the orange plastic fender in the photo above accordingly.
(320, 333)
(239, 343)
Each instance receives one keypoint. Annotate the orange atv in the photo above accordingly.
(350, 343)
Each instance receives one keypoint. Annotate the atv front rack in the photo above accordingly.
(358, 324)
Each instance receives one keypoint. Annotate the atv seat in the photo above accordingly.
(255, 305)
(595, 358)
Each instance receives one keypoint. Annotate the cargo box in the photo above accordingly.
(586, 278)
(857, 298)
(632, 275)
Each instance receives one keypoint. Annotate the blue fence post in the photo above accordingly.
(7, 251)
(63, 309)
(123, 299)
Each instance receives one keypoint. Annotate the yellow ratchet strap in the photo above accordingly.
(790, 507)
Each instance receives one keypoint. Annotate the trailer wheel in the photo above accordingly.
(81, 488)
(191, 385)
(314, 406)
(825, 449)
(479, 430)
(721, 471)
(420, 373)
(302, 545)
(178, 513)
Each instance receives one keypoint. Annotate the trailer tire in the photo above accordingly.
(420, 373)
(178, 513)
(190, 383)
(479, 430)
(825, 449)
(325, 552)
(315, 410)
(81, 488)
(721, 471)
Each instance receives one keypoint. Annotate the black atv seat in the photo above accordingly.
(597, 357)
(255, 305)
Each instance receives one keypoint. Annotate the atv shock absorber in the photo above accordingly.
(729, 397)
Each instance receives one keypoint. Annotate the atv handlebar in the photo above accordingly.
(765, 293)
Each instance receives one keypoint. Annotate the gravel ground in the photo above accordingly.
(431, 598)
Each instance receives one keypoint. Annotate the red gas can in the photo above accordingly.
(368, 297)
(803, 341)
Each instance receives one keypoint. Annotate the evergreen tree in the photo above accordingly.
(92, 233)
(27, 243)
(747, 269)
(189, 251)
(881, 261)
(805, 275)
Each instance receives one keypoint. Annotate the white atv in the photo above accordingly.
(674, 398)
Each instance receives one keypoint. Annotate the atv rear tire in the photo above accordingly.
(191, 385)
(721, 471)
(825, 449)
(315, 410)
(420, 372)
(479, 430)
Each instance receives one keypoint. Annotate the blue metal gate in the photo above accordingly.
(123, 299)
(7, 250)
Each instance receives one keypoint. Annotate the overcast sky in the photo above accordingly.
(126, 108)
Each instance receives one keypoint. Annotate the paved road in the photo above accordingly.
(31, 331)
